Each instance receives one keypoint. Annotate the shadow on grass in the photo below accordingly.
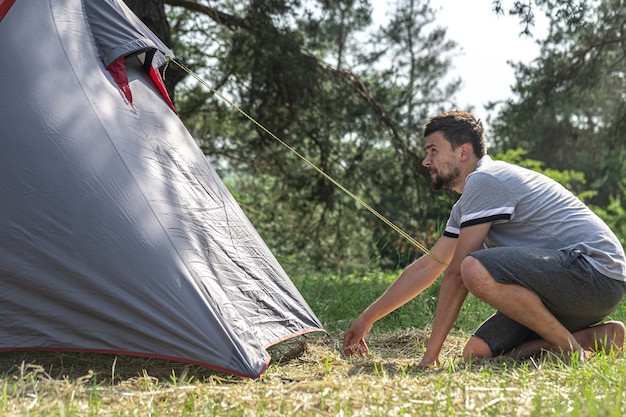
(112, 369)
(103, 368)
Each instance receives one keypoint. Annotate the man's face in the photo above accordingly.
(441, 161)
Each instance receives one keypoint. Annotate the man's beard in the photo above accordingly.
(448, 180)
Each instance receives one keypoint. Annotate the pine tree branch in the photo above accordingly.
(228, 20)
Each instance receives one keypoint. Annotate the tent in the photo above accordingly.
(116, 234)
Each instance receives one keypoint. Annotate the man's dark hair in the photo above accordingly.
(459, 127)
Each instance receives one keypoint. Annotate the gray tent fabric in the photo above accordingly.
(116, 234)
(118, 32)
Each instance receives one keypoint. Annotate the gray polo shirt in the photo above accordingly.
(529, 209)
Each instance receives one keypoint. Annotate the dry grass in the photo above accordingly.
(311, 377)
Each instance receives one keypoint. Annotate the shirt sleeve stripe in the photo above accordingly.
(487, 213)
(450, 234)
(451, 231)
(488, 219)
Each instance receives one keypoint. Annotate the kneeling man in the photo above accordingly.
(517, 240)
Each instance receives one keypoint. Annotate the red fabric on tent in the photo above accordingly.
(118, 71)
(158, 80)
(5, 5)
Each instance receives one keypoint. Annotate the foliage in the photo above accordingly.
(302, 71)
(352, 98)
(571, 106)
(569, 11)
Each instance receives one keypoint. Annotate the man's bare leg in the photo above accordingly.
(520, 304)
(604, 338)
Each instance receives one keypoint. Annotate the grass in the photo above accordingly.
(320, 381)
(338, 301)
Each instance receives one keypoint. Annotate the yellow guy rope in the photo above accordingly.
(312, 165)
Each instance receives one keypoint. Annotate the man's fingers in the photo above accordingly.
(356, 349)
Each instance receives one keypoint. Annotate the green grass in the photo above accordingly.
(322, 381)
(338, 301)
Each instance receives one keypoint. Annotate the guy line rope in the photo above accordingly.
(359, 200)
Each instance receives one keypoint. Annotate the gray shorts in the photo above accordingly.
(568, 285)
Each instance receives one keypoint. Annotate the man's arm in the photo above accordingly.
(413, 280)
(453, 292)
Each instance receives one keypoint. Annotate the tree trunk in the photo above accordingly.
(152, 13)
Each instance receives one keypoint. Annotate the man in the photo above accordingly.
(520, 242)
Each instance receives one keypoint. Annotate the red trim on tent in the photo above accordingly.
(5, 5)
(118, 71)
(137, 354)
(158, 80)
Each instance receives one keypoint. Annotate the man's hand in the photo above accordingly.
(354, 342)
(356, 349)
(428, 361)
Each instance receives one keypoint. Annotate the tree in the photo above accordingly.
(570, 11)
(571, 106)
(306, 71)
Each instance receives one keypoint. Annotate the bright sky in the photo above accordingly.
(487, 42)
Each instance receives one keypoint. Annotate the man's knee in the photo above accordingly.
(475, 276)
(476, 348)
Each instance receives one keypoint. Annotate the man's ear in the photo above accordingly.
(465, 151)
